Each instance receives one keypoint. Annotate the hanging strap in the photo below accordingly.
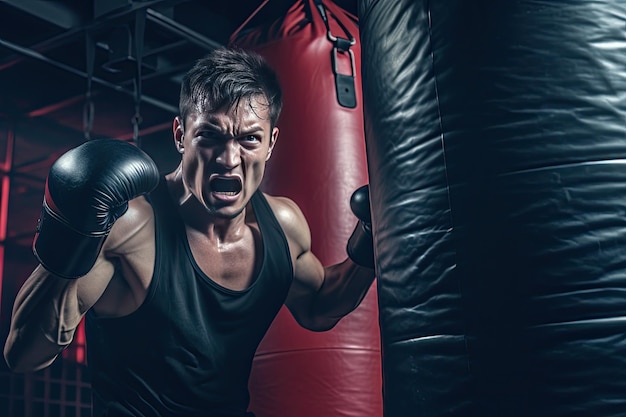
(140, 24)
(344, 84)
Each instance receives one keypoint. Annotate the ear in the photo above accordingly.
(179, 133)
(273, 140)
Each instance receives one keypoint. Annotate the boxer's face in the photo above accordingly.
(224, 154)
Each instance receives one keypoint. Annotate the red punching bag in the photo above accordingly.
(318, 162)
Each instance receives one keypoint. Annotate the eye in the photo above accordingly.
(206, 138)
(250, 141)
(207, 134)
(251, 138)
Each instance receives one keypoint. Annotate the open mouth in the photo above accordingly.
(227, 186)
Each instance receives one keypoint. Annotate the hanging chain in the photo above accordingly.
(88, 108)
(140, 23)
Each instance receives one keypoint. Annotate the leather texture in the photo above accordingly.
(87, 189)
(496, 135)
(319, 161)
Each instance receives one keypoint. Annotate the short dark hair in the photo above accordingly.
(225, 76)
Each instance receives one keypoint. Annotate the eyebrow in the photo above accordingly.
(208, 126)
(215, 128)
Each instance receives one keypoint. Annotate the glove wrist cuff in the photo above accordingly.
(63, 250)
(360, 246)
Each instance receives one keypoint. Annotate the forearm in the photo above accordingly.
(344, 287)
(30, 350)
(320, 296)
(45, 316)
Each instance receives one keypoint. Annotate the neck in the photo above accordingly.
(198, 218)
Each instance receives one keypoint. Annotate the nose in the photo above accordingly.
(229, 156)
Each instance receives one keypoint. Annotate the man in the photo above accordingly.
(179, 283)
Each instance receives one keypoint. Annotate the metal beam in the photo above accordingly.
(50, 11)
(74, 33)
(183, 31)
(146, 131)
(43, 110)
(38, 56)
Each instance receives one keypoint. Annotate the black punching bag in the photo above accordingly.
(496, 138)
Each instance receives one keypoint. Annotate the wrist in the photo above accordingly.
(360, 246)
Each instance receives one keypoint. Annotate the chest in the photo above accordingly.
(232, 264)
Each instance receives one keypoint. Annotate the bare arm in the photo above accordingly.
(343, 287)
(46, 313)
(48, 309)
(319, 296)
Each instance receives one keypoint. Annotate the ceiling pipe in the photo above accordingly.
(59, 105)
(38, 56)
(181, 30)
(56, 13)
(98, 24)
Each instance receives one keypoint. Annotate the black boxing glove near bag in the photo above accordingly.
(360, 246)
(87, 190)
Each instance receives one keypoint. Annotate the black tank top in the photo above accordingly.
(187, 351)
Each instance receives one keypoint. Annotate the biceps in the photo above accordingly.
(93, 285)
(308, 279)
(308, 273)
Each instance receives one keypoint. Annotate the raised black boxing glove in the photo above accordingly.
(360, 246)
(87, 190)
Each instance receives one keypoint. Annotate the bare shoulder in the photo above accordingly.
(291, 219)
(134, 227)
(285, 209)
